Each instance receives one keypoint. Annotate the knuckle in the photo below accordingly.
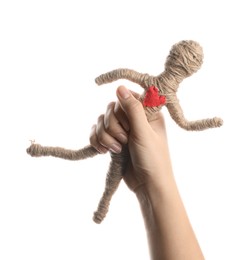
(91, 140)
(135, 106)
(100, 138)
(92, 136)
(103, 142)
(109, 128)
(100, 118)
(110, 105)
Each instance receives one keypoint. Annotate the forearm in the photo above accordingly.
(169, 231)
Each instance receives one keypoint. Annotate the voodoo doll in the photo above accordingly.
(184, 59)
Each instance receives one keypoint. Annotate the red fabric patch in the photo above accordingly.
(152, 98)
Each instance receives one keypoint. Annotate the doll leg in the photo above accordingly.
(36, 150)
(114, 176)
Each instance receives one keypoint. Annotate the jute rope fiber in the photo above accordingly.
(184, 59)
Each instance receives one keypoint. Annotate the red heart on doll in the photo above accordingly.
(152, 98)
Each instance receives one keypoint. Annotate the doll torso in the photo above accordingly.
(158, 93)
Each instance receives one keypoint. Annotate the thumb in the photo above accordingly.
(133, 109)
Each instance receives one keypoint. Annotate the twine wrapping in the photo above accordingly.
(36, 150)
(184, 59)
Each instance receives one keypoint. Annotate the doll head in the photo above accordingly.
(184, 59)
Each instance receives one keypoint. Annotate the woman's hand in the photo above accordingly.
(149, 174)
(125, 122)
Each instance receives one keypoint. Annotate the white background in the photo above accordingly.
(50, 53)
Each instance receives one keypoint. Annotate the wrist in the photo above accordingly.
(155, 192)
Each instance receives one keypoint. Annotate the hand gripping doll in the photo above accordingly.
(184, 59)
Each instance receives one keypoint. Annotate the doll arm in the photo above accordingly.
(128, 74)
(177, 115)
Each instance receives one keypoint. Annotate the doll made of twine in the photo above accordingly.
(184, 59)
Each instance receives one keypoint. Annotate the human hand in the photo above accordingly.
(149, 175)
(125, 122)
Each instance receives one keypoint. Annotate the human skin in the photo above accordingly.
(149, 175)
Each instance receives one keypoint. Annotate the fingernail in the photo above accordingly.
(123, 138)
(115, 148)
(102, 149)
(123, 92)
